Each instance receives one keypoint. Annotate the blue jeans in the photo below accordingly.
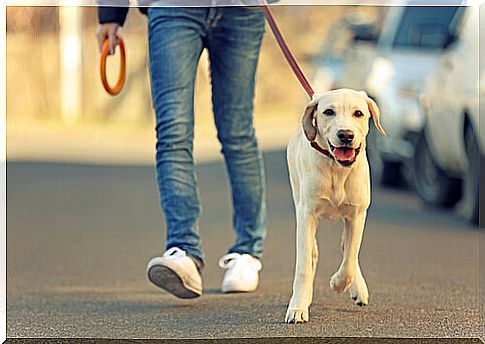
(232, 36)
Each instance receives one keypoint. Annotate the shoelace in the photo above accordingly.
(174, 252)
(239, 261)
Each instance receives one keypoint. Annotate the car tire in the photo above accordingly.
(431, 183)
(471, 181)
(387, 173)
(391, 174)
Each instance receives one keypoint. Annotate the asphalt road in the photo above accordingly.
(79, 238)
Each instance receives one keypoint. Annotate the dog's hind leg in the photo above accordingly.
(305, 266)
(293, 173)
(351, 240)
(314, 257)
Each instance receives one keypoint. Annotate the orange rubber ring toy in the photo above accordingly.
(121, 80)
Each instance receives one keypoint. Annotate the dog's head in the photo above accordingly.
(340, 120)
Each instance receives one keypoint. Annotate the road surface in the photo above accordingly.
(79, 238)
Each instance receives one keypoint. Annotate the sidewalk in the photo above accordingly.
(123, 143)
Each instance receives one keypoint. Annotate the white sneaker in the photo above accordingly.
(242, 272)
(176, 273)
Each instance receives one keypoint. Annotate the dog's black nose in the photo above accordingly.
(346, 136)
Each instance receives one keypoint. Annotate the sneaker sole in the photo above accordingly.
(166, 279)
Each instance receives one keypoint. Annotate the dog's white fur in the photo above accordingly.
(323, 188)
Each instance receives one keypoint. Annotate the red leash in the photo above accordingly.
(294, 66)
(286, 51)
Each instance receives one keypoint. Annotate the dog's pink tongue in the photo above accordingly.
(344, 154)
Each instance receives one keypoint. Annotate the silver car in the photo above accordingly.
(411, 41)
(448, 153)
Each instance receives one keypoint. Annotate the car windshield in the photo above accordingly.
(425, 26)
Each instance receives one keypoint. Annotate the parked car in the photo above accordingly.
(447, 156)
(408, 49)
(350, 40)
(390, 60)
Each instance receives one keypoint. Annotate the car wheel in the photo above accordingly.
(471, 182)
(384, 172)
(391, 174)
(432, 184)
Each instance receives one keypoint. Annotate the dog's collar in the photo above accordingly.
(322, 150)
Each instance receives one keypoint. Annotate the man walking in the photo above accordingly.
(177, 37)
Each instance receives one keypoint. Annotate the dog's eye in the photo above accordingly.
(358, 113)
(329, 112)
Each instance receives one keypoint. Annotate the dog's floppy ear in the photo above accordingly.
(309, 127)
(375, 112)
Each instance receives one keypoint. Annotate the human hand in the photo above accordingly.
(108, 31)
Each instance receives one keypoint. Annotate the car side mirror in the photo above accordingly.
(365, 36)
(450, 40)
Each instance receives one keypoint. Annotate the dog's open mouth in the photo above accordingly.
(344, 155)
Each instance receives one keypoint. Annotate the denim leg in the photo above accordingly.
(175, 45)
(234, 41)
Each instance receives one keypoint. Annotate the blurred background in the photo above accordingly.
(419, 63)
(53, 63)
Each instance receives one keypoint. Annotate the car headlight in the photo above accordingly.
(381, 72)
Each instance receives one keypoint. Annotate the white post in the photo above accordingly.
(70, 29)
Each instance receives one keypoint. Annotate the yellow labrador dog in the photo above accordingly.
(330, 179)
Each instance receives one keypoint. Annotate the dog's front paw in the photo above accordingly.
(358, 291)
(294, 316)
(340, 282)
